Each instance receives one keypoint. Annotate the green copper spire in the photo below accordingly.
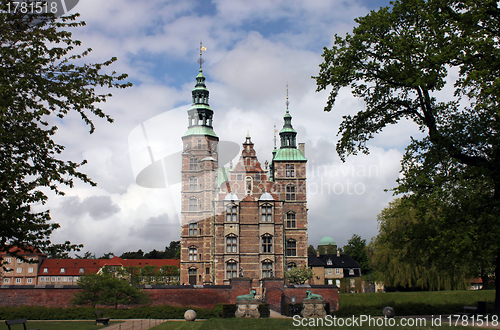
(288, 137)
(200, 115)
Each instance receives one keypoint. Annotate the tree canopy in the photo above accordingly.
(433, 62)
(356, 249)
(107, 289)
(42, 78)
(299, 275)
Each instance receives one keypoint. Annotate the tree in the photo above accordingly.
(133, 255)
(299, 275)
(108, 289)
(399, 61)
(356, 249)
(91, 285)
(402, 254)
(41, 81)
(311, 250)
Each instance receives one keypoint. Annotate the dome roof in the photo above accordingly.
(231, 197)
(266, 197)
(326, 241)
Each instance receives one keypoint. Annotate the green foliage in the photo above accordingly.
(399, 60)
(356, 249)
(401, 255)
(299, 275)
(311, 250)
(41, 81)
(104, 288)
(171, 252)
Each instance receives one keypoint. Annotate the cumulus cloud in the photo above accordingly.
(97, 207)
(254, 49)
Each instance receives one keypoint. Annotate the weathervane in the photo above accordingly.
(287, 103)
(201, 54)
(275, 131)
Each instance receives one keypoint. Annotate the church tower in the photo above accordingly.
(199, 187)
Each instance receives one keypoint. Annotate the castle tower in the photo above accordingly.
(288, 170)
(199, 186)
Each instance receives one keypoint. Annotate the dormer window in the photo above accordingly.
(329, 262)
(63, 270)
(82, 271)
(45, 270)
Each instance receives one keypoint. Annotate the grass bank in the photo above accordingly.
(412, 303)
(285, 324)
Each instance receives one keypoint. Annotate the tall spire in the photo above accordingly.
(201, 60)
(287, 103)
(288, 134)
(200, 115)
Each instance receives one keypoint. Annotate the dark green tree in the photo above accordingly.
(118, 291)
(107, 288)
(133, 255)
(42, 79)
(412, 248)
(399, 61)
(356, 249)
(172, 250)
(311, 250)
(91, 285)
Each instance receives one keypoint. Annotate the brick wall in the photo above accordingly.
(188, 296)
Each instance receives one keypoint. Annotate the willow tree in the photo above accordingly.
(399, 60)
(42, 79)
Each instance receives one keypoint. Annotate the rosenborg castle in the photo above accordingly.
(248, 220)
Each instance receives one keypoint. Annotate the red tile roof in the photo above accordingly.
(72, 266)
(28, 250)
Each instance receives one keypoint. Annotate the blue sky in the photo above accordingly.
(254, 48)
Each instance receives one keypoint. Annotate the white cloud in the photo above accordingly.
(254, 49)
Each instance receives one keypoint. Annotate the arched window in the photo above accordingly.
(193, 204)
(291, 265)
(248, 185)
(291, 248)
(267, 213)
(231, 243)
(267, 269)
(193, 184)
(193, 253)
(290, 193)
(193, 164)
(193, 229)
(232, 213)
(267, 243)
(231, 269)
(290, 220)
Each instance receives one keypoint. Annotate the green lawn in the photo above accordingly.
(413, 303)
(278, 324)
(56, 325)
